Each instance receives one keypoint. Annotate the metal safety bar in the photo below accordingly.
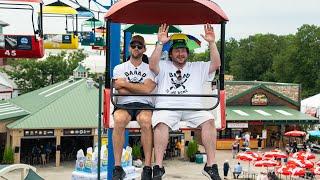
(112, 95)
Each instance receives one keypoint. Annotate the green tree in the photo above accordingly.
(30, 74)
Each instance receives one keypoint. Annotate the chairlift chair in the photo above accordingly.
(23, 46)
(172, 12)
(61, 41)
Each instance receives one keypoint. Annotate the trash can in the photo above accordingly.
(199, 158)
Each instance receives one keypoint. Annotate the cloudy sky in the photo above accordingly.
(247, 17)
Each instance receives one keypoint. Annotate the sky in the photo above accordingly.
(246, 17)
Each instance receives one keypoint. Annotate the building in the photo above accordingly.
(62, 117)
(263, 109)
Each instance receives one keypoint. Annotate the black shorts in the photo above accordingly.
(134, 112)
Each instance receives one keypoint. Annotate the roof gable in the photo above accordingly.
(265, 88)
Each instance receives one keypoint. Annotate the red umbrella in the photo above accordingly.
(245, 157)
(303, 155)
(295, 133)
(254, 154)
(284, 170)
(265, 163)
(298, 171)
(301, 163)
(275, 154)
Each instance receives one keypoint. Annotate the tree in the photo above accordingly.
(30, 74)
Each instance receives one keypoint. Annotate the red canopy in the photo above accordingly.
(38, 1)
(295, 133)
(182, 12)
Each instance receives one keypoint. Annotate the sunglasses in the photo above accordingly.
(136, 45)
(179, 76)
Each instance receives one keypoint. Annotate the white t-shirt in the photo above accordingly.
(193, 77)
(133, 75)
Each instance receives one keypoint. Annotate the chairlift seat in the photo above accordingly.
(218, 112)
(61, 41)
(21, 46)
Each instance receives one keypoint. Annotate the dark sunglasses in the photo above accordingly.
(179, 76)
(136, 45)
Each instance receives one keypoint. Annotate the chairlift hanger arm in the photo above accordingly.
(30, 7)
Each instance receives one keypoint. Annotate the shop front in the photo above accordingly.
(264, 111)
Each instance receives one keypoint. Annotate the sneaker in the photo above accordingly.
(158, 173)
(211, 172)
(118, 173)
(146, 173)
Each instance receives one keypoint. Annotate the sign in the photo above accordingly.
(259, 100)
(264, 134)
(76, 132)
(237, 125)
(39, 132)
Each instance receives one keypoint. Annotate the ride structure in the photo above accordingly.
(155, 12)
(68, 40)
(23, 46)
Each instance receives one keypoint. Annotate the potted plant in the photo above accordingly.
(8, 156)
(136, 152)
(192, 150)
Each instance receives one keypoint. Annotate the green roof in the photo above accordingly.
(266, 113)
(80, 68)
(69, 104)
(9, 110)
(262, 86)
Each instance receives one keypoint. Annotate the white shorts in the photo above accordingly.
(190, 119)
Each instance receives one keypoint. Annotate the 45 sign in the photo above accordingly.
(11, 53)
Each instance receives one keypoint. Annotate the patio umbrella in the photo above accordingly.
(297, 171)
(318, 163)
(191, 41)
(301, 163)
(254, 154)
(274, 154)
(314, 133)
(265, 163)
(303, 155)
(295, 133)
(284, 170)
(246, 157)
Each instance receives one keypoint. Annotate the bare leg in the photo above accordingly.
(144, 120)
(161, 136)
(121, 119)
(209, 138)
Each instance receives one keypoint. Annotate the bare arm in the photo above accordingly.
(156, 54)
(214, 53)
(146, 87)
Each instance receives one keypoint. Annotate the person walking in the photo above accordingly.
(226, 168)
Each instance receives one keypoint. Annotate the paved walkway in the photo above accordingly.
(175, 169)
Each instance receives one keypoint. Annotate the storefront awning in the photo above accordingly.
(266, 113)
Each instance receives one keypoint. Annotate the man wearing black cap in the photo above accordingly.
(133, 76)
(178, 76)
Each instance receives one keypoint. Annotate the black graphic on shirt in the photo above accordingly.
(135, 76)
(177, 83)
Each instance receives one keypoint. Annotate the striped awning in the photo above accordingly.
(266, 113)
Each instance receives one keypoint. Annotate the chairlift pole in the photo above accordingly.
(99, 126)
